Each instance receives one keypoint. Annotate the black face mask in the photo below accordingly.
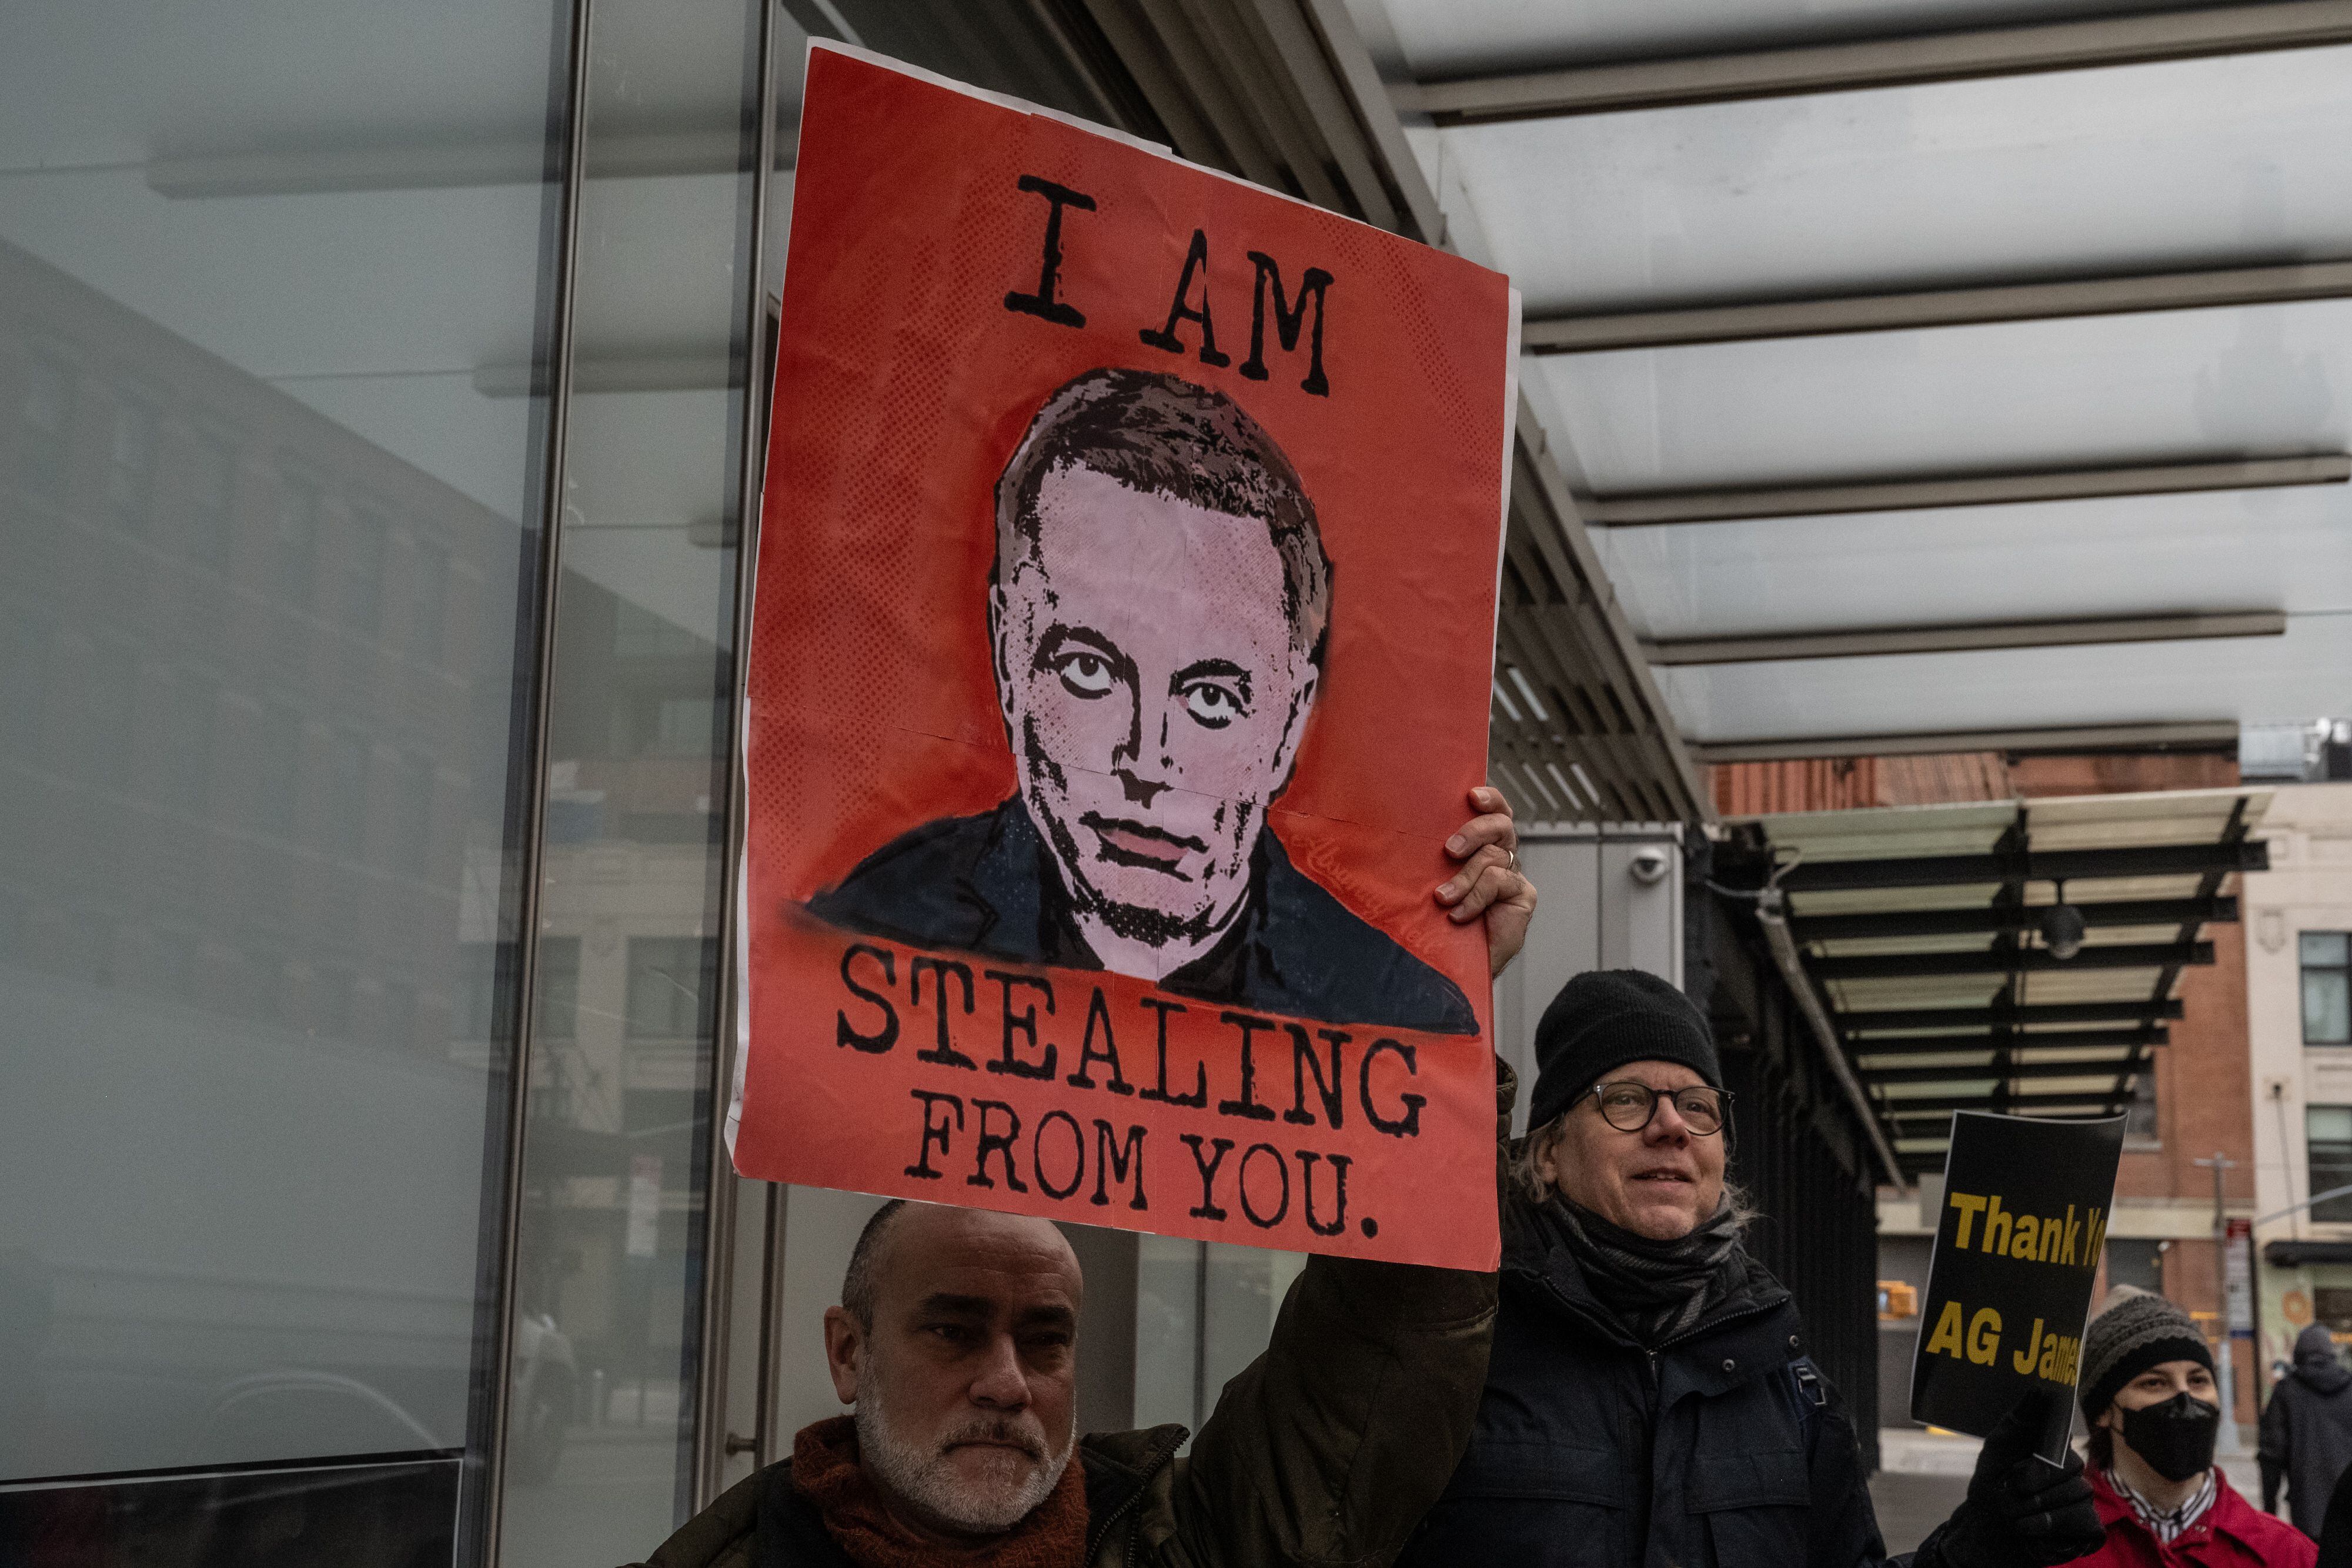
(2175, 1438)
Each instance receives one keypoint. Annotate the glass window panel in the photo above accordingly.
(2179, 165)
(2248, 679)
(2286, 549)
(1455, 37)
(236, 295)
(2333, 949)
(2330, 1140)
(2326, 995)
(671, 983)
(2081, 392)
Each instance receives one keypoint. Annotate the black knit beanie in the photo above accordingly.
(1606, 1019)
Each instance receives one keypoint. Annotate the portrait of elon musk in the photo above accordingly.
(1158, 611)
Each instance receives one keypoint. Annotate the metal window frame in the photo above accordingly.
(712, 1441)
(708, 1441)
(2022, 487)
(1896, 642)
(524, 1013)
(2182, 734)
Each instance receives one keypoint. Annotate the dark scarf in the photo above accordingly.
(827, 1471)
(1657, 1288)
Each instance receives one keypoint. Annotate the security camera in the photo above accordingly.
(1650, 865)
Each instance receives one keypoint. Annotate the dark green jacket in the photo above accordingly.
(1326, 1451)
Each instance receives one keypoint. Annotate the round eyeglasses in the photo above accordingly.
(1629, 1106)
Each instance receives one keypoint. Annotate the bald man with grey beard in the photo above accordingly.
(956, 1344)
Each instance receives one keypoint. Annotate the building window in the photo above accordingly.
(48, 404)
(639, 633)
(2326, 987)
(2139, 1264)
(408, 840)
(2328, 1129)
(2140, 1118)
(669, 979)
(277, 797)
(559, 987)
(131, 464)
(428, 605)
(212, 473)
(366, 536)
(295, 541)
(685, 727)
(483, 1007)
(343, 821)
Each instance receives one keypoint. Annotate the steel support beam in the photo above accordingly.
(2191, 735)
(2010, 1039)
(2091, 1103)
(2032, 865)
(2023, 960)
(2204, 31)
(1895, 641)
(2106, 1068)
(1865, 1021)
(1642, 509)
(1990, 920)
(1737, 321)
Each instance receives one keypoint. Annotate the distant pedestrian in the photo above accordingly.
(2307, 1431)
(2148, 1394)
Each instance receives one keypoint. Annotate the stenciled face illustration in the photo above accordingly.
(1154, 698)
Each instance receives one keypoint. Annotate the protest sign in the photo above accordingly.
(1120, 663)
(2018, 1239)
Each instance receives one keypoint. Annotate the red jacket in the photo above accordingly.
(2232, 1534)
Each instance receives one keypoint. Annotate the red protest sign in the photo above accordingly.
(1123, 642)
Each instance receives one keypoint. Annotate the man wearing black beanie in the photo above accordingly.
(1648, 1398)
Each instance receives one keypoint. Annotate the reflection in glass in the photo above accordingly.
(240, 839)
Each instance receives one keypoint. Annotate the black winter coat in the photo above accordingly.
(1725, 1448)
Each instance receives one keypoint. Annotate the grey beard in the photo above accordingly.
(919, 1473)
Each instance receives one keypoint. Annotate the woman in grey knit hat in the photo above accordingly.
(2148, 1394)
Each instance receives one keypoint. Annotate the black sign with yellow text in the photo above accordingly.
(2022, 1222)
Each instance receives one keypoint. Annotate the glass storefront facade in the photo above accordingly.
(271, 546)
(381, 402)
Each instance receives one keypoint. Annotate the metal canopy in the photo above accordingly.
(1920, 927)
(1933, 373)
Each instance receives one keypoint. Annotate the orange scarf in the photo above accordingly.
(826, 1470)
